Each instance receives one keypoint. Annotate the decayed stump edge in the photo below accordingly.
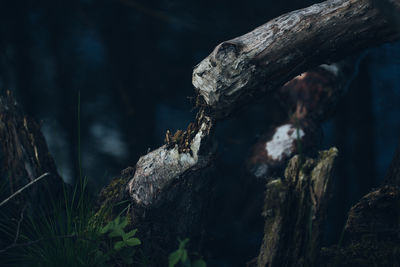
(294, 210)
(160, 167)
(167, 192)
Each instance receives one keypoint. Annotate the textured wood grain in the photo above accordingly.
(294, 210)
(262, 60)
(156, 170)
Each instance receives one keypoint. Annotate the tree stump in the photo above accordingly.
(294, 210)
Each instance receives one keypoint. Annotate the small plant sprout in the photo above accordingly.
(116, 228)
(181, 255)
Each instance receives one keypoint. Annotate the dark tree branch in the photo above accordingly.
(248, 66)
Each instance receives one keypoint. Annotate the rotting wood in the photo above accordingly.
(160, 167)
(168, 191)
(294, 210)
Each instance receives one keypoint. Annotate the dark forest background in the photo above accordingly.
(131, 63)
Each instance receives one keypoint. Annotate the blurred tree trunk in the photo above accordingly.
(24, 156)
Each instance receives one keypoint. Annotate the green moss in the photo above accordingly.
(109, 197)
(328, 154)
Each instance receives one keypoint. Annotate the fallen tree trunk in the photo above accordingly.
(246, 67)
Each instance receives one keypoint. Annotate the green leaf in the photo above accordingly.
(199, 263)
(105, 229)
(182, 243)
(124, 223)
(117, 226)
(118, 245)
(116, 232)
(174, 258)
(116, 220)
(184, 256)
(133, 242)
(131, 233)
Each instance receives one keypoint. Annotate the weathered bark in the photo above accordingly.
(372, 233)
(24, 155)
(294, 210)
(261, 61)
(377, 213)
(168, 191)
(159, 168)
(177, 212)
